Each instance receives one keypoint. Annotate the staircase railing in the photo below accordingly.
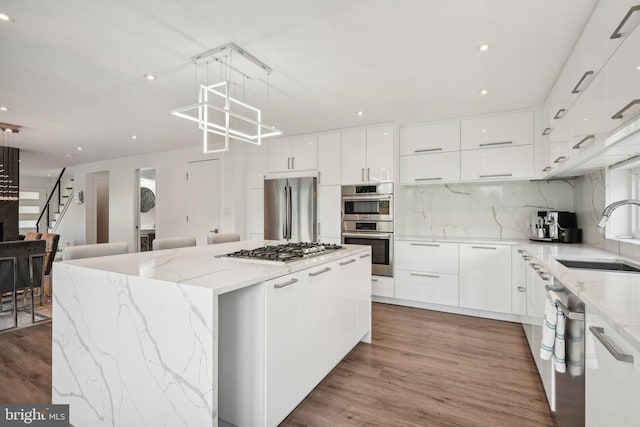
(48, 203)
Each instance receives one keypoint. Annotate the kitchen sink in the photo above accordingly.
(612, 265)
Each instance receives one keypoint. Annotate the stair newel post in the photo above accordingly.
(48, 219)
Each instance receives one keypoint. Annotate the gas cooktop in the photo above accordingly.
(283, 253)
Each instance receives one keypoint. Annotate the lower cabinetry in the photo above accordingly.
(612, 388)
(485, 277)
(436, 288)
(382, 286)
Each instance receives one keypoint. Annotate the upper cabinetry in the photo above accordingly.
(329, 156)
(367, 155)
(474, 149)
(598, 90)
(292, 154)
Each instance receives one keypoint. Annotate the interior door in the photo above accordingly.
(203, 198)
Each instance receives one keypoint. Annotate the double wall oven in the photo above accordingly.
(367, 219)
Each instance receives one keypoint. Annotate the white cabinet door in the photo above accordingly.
(282, 342)
(316, 331)
(497, 163)
(615, 14)
(362, 282)
(380, 154)
(255, 208)
(485, 277)
(439, 137)
(435, 288)
(382, 286)
(612, 387)
(354, 160)
(329, 159)
(519, 281)
(304, 153)
(278, 155)
(560, 122)
(430, 168)
(589, 112)
(623, 81)
(329, 220)
(256, 165)
(506, 129)
(345, 306)
(560, 152)
(437, 257)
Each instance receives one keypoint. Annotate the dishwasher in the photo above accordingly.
(570, 385)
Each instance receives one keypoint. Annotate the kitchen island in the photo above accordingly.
(184, 337)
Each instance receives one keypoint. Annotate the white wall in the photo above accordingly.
(171, 169)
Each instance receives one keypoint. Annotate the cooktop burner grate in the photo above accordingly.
(285, 252)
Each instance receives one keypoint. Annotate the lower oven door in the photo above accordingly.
(381, 250)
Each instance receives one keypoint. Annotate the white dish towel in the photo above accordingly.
(553, 329)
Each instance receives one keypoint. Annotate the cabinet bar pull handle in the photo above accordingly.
(428, 179)
(526, 257)
(317, 273)
(364, 256)
(617, 32)
(425, 244)
(368, 175)
(285, 284)
(599, 334)
(620, 113)
(546, 131)
(288, 162)
(374, 280)
(583, 140)
(488, 144)
(560, 159)
(484, 247)
(542, 275)
(520, 251)
(319, 233)
(547, 169)
(319, 175)
(522, 289)
(560, 114)
(435, 276)
(496, 175)
(584, 76)
(293, 164)
(426, 150)
(362, 174)
(348, 262)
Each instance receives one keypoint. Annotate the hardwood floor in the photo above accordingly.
(426, 368)
(423, 368)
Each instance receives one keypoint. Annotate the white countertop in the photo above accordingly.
(200, 265)
(614, 296)
(457, 239)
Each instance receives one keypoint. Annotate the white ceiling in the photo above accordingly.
(72, 70)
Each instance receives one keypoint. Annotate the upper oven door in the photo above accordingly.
(373, 207)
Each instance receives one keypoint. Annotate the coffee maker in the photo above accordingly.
(555, 226)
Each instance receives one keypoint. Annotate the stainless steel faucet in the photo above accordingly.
(612, 207)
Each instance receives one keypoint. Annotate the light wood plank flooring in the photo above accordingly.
(423, 368)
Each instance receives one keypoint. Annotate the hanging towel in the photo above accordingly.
(575, 348)
(553, 329)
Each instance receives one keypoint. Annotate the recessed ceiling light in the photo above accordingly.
(484, 47)
(3, 108)
(134, 137)
(149, 77)
(360, 113)
(19, 160)
(8, 130)
(638, 67)
(483, 92)
(6, 18)
(79, 148)
(67, 155)
(48, 174)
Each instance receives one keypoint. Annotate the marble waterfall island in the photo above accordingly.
(184, 338)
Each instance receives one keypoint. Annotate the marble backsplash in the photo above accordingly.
(494, 210)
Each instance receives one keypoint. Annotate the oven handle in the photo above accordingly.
(371, 235)
(367, 197)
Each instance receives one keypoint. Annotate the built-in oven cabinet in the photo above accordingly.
(612, 369)
(292, 154)
(503, 130)
(329, 159)
(485, 277)
(328, 209)
(430, 138)
(430, 168)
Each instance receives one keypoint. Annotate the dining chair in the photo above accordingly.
(96, 250)
(173, 243)
(214, 238)
(32, 236)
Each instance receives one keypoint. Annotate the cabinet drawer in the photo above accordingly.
(430, 168)
(430, 138)
(497, 163)
(623, 81)
(427, 256)
(382, 286)
(435, 288)
(504, 130)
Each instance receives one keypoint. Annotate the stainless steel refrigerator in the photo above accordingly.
(290, 209)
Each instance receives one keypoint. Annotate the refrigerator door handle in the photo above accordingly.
(289, 215)
(283, 214)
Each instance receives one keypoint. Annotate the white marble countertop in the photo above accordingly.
(614, 296)
(201, 265)
(458, 239)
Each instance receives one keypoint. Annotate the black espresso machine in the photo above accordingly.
(555, 226)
